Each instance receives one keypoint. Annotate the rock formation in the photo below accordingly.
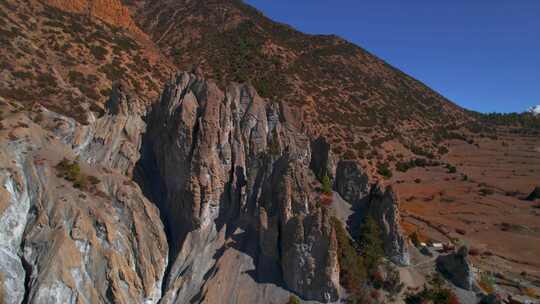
(323, 162)
(351, 183)
(71, 238)
(214, 161)
(457, 268)
(354, 186)
(384, 209)
(234, 181)
(535, 194)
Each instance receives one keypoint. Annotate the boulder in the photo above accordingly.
(457, 268)
(535, 194)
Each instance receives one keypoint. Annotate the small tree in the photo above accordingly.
(371, 243)
(352, 268)
(293, 300)
(326, 185)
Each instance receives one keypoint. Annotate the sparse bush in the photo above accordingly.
(326, 185)
(23, 75)
(76, 76)
(421, 152)
(113, 71)
(392, 282)
(124, 43)
(293, 300)
(384, 170)
(436, 293)
(99, 52)
(487, 282)
(20, 94)
(486, 192)
(105, 92)
(443, 150)
(71, 171)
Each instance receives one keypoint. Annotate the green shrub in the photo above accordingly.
(326, 185)
(20, 94)
(76, 76)
(23, 75)
(71, 171)
(113, 71)
(98, 52)
(486, 192)
(435, 293)
(46, 81)
(443, 150)
(293, 300)
(384, 170)
(105, 92)
(420, 151)
(124, 43)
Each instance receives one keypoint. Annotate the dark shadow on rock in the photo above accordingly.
(266, 270)
(355, 220)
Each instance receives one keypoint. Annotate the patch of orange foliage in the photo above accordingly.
(326, 199)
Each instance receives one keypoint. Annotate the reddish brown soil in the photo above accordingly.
(487, 210)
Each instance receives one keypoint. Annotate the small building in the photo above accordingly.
(437, 245)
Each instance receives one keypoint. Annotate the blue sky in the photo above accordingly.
(482, 54)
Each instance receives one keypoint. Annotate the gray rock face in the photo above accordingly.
(457, 268)
(384, 208)
(351, 183)
(214, 161)
(63, 244)
(323, 162)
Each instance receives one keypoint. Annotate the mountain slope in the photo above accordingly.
(338, 89)
(67, 59)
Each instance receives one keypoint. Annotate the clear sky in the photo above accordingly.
(482, 54)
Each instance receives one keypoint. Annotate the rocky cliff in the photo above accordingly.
(236, 184)
(74, 227)
(219, 161)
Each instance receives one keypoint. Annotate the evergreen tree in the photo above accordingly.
(326, 184)
(371, 244)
